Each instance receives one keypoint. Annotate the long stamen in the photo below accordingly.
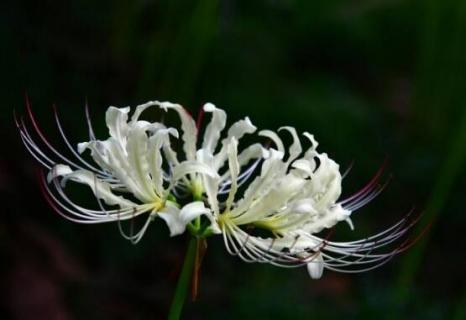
(365, 198)
(70, 147)
(270, 255)
(32, 146)
(43, 138)
(347, 171)
(89, 123)
(369, 185)
(379, 257)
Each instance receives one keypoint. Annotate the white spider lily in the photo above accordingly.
(294, 196)
(288, 203)
(129, 163)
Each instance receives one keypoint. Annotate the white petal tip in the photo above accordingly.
(315, 268)
(58, 171)
(82, 146)
(350, 223)
(174, 132)
(311, 138)
(209, 107)
(265, 153)
(252, 126)
(285, 128)
(215, 228)
(165, 105)
(122, 110)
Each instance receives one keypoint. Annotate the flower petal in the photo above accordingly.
(58, 171)
(189, 128)
(116, 119)
(237, 131)
(177, 219)
(326, 219)
(296, 148)
(188, 167)
(305, 166)
(311, 152)
(274, 200)
(140, 109)
(316, 267)
(124, 172)
(234, 167)
(240, 128)
(137, 150)
(275, 139)
(102, 190)
(156, 142)
(98, 152)
(193, 210)
(215, 127)
(210, 183)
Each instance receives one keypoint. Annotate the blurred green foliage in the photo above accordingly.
(370, 78)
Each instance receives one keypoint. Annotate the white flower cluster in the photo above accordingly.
(269, 202)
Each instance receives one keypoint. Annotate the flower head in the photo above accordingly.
(130, 177)
(269, 203)
(294, 197)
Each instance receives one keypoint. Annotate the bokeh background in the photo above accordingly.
(372, 79)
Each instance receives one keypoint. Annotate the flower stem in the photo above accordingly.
(183, 281)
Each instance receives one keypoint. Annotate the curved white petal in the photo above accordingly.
(316, 267)
(116, 119)
(98, 152)
(59, 170)
(177, 219)
(124, 171)
(101, 189)
(326, 182)
(140, 109)
(275, 139)
(296, 148)
(271, 168)
(156, 142)
(240, 128)
(314, 144)
(234, 167)
(188, 167)
(305, 166)
(210, 183)
(188, 126)
(274, 200)
(138, 150)
(193, 210)
(215, 127)
(326, 219)
(237, 131)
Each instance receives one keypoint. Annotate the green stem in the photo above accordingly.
(183, 281)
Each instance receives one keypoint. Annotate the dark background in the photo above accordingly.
(370, 78)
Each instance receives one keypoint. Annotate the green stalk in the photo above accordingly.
(184, 281)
